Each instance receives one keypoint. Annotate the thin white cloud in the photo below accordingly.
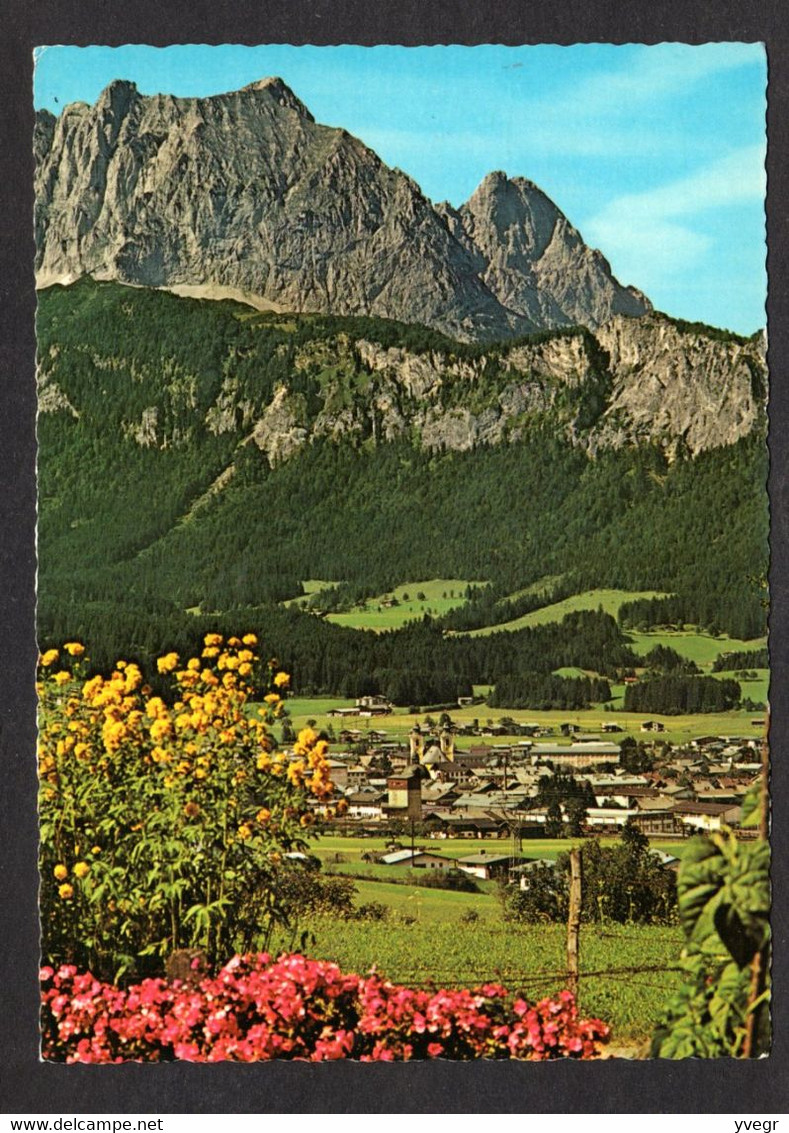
(652, 75)
(734, 178)
(648, 234)
(613, 114)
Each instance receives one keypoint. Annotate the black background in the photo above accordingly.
(691, 1086)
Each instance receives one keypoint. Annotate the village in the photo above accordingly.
(450, 781)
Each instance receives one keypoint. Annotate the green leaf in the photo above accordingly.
(730, 995)
(700, 880)
(752, 808)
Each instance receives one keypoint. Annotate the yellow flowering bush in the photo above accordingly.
(164, 818)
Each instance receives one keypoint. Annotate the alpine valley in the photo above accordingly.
(267, 359)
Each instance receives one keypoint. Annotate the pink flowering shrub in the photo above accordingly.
(257, 1008)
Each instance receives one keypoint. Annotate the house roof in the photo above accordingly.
(397, 857)
(704, 808)
(601, 747)
(483, 859)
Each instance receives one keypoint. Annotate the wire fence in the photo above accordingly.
(520, 979)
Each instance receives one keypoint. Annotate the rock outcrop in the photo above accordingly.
(641, 380)
(245, 193)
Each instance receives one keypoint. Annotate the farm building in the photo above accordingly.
(418, 859)
(577, 755)
(485, 866)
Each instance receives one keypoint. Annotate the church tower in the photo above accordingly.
(447, 742)
(416, 744)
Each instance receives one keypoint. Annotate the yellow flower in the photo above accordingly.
(60, 872)
(81, 869)
(74, 649)
(49, 657)
(210, 651)
(264, 761)
(244, 832)
(160, 730)
(193, 663)
(212, 639)
(61, 677)
(167, 663)
(92, 687)
(95, 849)
(201, 773)
(263, 815)
(272, 698)
(296, 773)
(244, 669)
(133, 677)
(249, 639)
(307, 819)
(282, 680)
(66, 891)
(233, 642)
(156, 708)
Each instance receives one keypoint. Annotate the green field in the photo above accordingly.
(311, 586)
(440, 596)
(430, 937)
(543, 585)
(699, 647)
(399, 886)
(679, 729)
(336, 850)
(440, 951)
(755, 688)
(609, 600)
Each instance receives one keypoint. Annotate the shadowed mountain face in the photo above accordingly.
(245, 194)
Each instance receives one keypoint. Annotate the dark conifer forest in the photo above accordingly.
(160, 518)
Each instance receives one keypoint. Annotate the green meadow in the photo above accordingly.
(435, 596)
(702, 648)
(396, 726)
(608, 600)
(427, 943)
(439, 937)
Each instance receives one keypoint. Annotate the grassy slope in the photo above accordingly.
(610, 600)
(698, 647)
(437, 601)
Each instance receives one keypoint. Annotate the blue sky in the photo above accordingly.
(655, 153)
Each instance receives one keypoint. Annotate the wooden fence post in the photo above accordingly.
(574, 920)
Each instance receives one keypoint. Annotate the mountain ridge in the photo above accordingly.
(245, 190)
(287, 381)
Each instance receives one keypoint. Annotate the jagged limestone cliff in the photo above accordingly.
(245, 194)
(631, 381)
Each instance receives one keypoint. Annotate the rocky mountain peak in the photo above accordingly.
(536, 261)
(118, 97)
(279, 90)
(245, 193)
(513, 214)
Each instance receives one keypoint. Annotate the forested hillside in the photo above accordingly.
(165, 505)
